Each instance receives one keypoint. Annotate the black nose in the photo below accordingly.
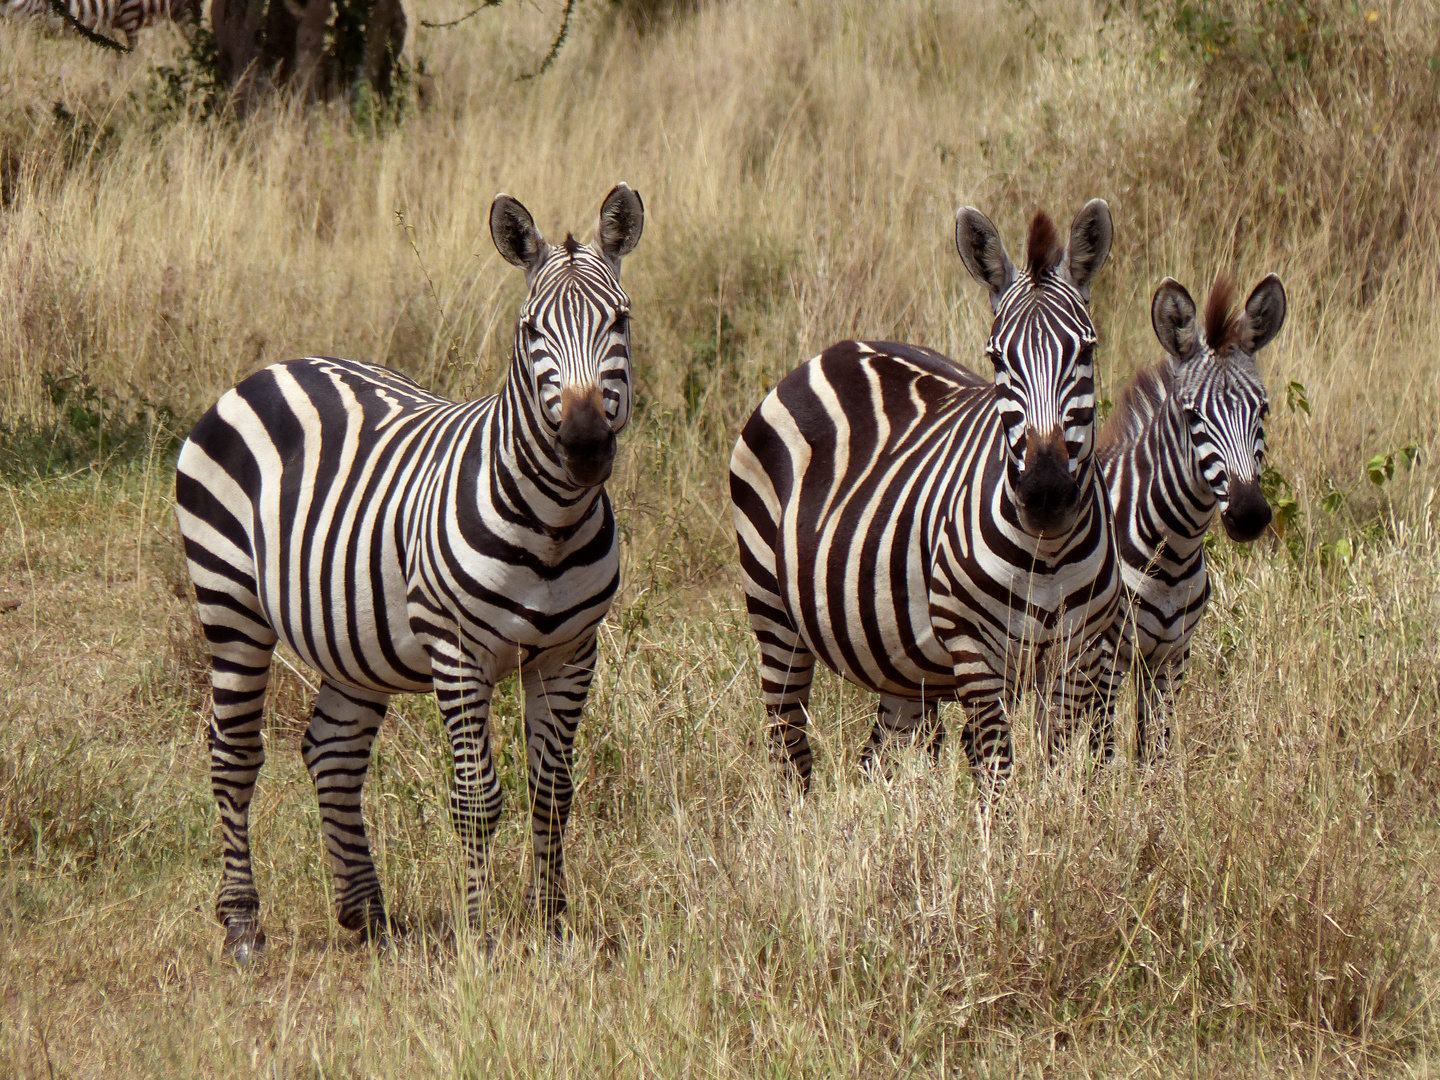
(1046, 495)
(587, 445)
(1246, 512)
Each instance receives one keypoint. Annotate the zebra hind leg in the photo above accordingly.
(917, 722)
(240, 674)
(336, 748)
(787, 668)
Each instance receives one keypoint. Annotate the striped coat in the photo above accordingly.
(931, 537)
(398, 542)
(126, 17)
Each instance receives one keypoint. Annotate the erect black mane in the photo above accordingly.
(1221, 321)
(1043, 249)
(1139, 403)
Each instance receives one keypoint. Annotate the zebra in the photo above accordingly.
(401, 542)
(1186, 443)
(930, 536)
(126, 16)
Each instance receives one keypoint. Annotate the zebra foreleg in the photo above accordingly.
(1154, 693)
(463, 689)
(915, 722)
(556, 688)
(986, 740)
(337, 753)
(240, 673)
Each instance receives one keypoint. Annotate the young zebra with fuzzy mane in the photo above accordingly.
(401, 542)
(930, 536)
(1185, 445)
(127, 17)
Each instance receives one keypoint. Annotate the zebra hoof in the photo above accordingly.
(244, 941)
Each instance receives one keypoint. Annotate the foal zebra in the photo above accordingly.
(1185, 442)
(930, 536)
(398, 541)
(125, 16)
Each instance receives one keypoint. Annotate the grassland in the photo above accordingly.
(1265, 905)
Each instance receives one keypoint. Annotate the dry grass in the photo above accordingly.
(1265, 905)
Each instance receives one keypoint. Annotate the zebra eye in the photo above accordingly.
(1264, 409)
(622, 323)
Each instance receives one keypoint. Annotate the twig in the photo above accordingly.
(457, 22)
(60, 8)
(555, 48)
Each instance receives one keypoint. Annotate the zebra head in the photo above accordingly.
(1042, 344)
(1217, 386)
(573, 337)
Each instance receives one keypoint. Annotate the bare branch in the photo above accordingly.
(555, 48)
(457, 22)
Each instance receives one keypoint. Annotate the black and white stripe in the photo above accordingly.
(1186, 443)
(398, 541)
(930, 536)
(126, 17)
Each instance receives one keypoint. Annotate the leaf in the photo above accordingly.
(1296, 396)
(1334, 498)
(1286, 511)
(1433, 63)
(1380, 468)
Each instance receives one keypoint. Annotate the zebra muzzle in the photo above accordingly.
(1246, 512)
(586, 443)
(1047, 498)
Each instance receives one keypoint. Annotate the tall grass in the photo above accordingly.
(1263, 905)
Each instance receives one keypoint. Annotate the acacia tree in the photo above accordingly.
(317, 48)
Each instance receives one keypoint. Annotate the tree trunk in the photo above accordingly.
(312, 70)
(239, 45)
(384, 40)
(306, 46)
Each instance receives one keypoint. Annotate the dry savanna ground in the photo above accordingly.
(1264, 905)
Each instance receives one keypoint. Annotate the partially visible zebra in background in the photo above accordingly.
(398, 541)
(930, 536)
(1186, 443)
(126, 17)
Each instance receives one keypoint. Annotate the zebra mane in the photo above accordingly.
(1043, 249)
(1222, 323)
(571, 246)
(1139, 404)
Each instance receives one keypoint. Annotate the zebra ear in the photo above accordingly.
(1264, 315)
(1172, 314)
(622, 220)
(1090, 236)
(982, 252)
(513, 230)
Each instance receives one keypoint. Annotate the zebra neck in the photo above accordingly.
(1180, 502)
(528, 481)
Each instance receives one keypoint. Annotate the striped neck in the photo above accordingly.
(1175, 483)
(530, 476)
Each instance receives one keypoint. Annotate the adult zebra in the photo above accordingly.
(398, 541)
(1186, 443)
(930, 536)
(128, 17)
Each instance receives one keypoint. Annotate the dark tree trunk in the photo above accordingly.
(315, 48)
